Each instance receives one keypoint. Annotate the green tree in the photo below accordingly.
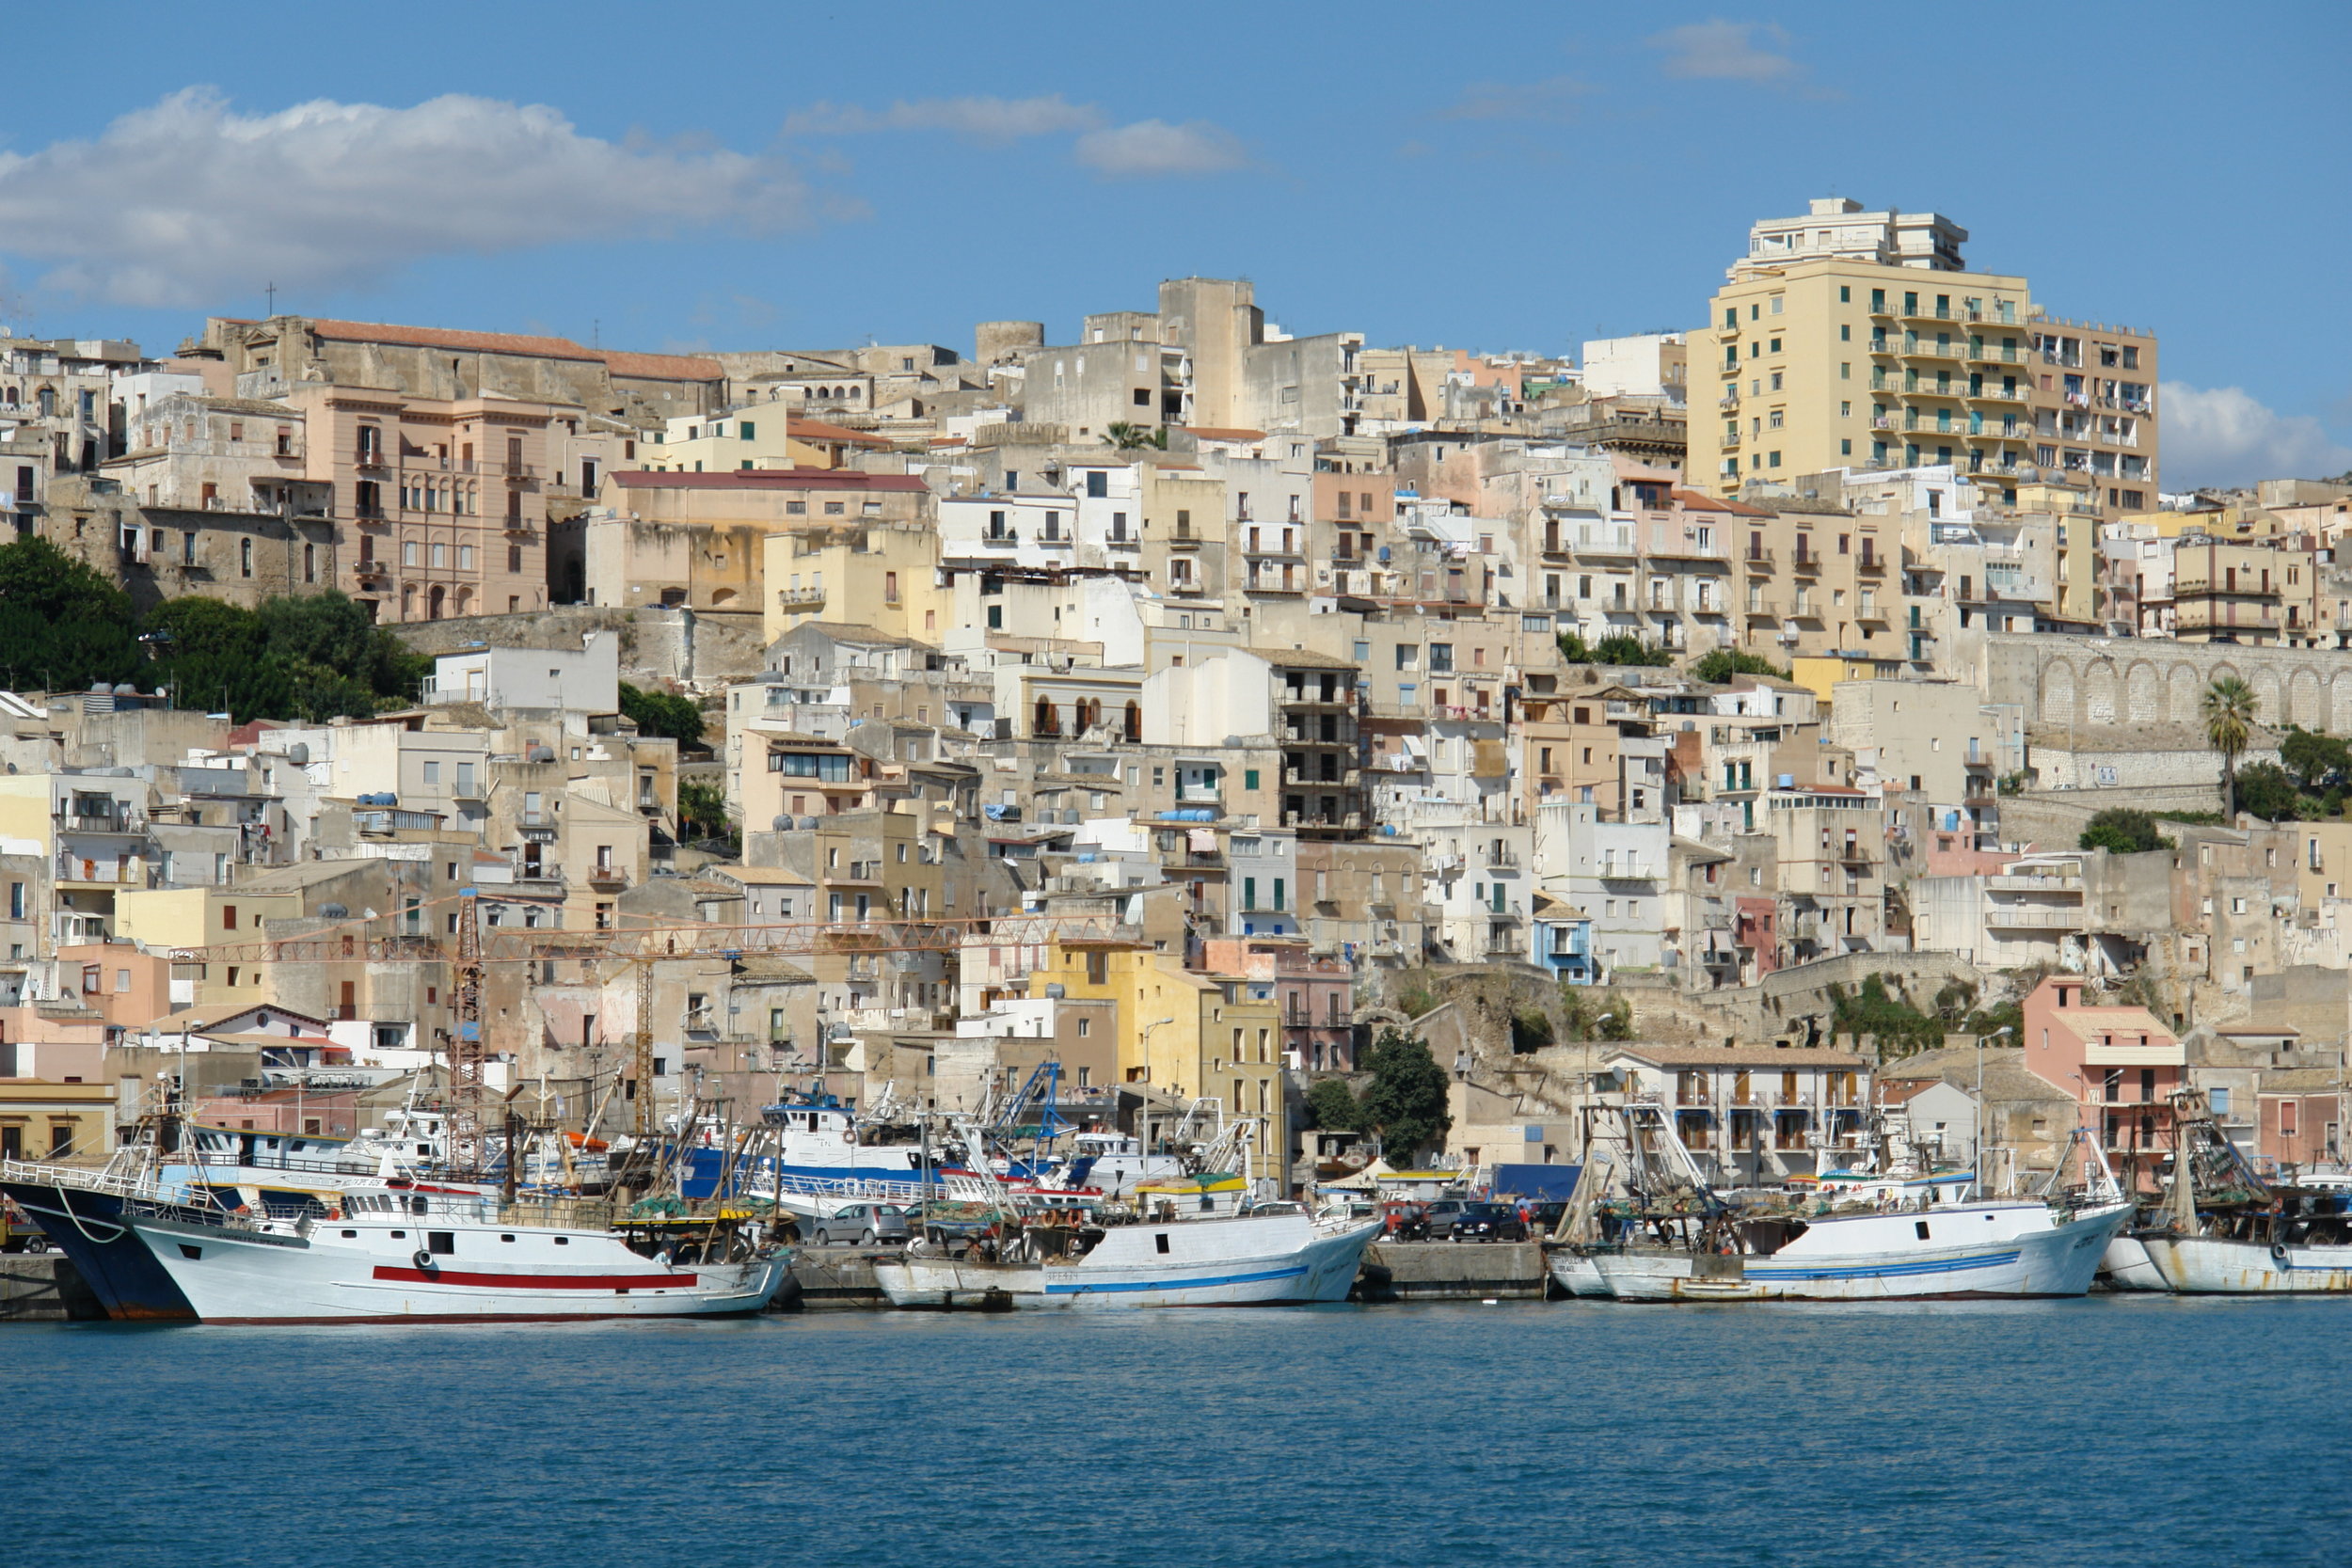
(2229, 708)
(1331, 1105)
(658, 713)
(1134, 437)
(1574, 649)
(2320, 763)
(1719, 665)
(702, 808)
(1405, 1103)
(2265, 790)
(62, 626)
(1614, 1021)
(1623, 648)
(2120, 832)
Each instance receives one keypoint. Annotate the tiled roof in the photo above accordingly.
(818, 430)
(651, 367)
(1206, 433)
(437, 336)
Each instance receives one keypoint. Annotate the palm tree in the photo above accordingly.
(1134, 437)
(2229, 707)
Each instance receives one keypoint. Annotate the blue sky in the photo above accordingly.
(1502, 176)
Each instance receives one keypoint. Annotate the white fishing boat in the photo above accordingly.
(2126, 1266)
(1194, 1246)
(397, 1258)
(1941, 1252)
(1576, 1269)
(2234, 1266)
(1256, 1260)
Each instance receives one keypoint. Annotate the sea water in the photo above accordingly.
(2141, 1431)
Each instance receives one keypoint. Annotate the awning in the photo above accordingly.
(1202, 840)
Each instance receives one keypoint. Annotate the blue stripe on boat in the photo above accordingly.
(1053, 1290)
(1947, 1265)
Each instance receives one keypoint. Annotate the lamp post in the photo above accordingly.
(1976, 1155)
(1143, 1136)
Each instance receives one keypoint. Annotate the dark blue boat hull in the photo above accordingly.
(113, 1261)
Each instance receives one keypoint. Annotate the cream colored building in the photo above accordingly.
(1853, 339)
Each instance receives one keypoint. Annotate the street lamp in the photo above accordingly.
(1143, 1139)
(1977, 1154)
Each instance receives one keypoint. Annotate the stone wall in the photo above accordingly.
(703, 645)
(2092, 681)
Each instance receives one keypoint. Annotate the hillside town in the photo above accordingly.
(1191, 708)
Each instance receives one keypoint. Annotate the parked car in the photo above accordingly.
(866, 1224)
(1485, 1222)
(1544, 1218)
(18, 1233)
(1438, 1217)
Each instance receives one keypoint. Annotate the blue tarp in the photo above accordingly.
(1536, 1181)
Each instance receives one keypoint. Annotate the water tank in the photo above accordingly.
(539, 752)
(333, 911)
(783, 824)
(300, 753)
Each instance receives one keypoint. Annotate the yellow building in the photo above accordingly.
(1853, 339)
(884, 576)
(754, 438)
(67, 1122)
(1185, 1035)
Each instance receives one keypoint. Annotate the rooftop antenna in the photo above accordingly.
(269, 292)
(596, 332)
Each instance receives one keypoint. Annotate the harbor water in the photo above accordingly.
(2151, 1431)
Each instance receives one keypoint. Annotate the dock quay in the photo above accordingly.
(1452, 1271)
(44, 1288)
(828, 1277)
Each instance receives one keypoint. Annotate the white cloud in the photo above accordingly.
(1553, 98)
(2222, 437)
(1154, 146)
(987, 119)
(188, 201)
(1731, 51)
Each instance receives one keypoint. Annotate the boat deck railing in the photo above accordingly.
(121, 1185)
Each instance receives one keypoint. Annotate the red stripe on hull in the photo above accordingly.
(541, 1281)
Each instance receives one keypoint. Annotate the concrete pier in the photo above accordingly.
(1452, 1271)
(833, 1276)
(43, 1287)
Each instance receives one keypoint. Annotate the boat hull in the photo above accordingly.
(1210, 1263)
(1577, 1274)
(2126, 1266)
(1885, 1258)
(127, 1279)
(232, 1275)
(2217, 1266)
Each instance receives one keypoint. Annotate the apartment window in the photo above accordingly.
(407, 552)
(1845, 369)
(244, 558)
(1844, 333)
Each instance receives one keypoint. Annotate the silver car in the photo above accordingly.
(865, 1224)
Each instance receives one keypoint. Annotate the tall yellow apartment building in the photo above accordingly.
(1853, 340)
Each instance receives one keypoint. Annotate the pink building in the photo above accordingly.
(2121, 1065)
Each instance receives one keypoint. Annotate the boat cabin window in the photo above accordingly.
(506, 1238)
(399, 1235)
(563, 1241)
(1922, 1229)
(1159, 1241)
(350, 1235)
(442, 1241)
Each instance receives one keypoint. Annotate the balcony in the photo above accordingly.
(1805, 562)
(2033, 917)
(120, 820)
(368, 457)
(800, 598)
(1501, 858)
(1874, 564)
(87, 871)
(1758, 557)
(607, 878)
